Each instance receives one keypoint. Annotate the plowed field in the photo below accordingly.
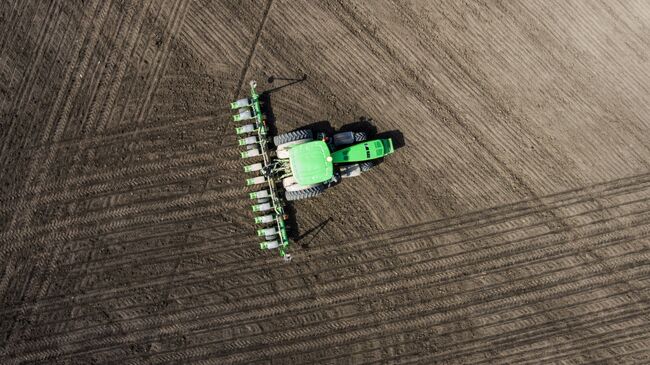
(511, 226)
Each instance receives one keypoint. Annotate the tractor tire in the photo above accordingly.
(290, 184)
(365, 166)
(360, 137)
(284, 142)
(305, 193)
(292, 137)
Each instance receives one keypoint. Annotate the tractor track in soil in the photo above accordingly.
(206, 318)
(512, 227)
(470, 221)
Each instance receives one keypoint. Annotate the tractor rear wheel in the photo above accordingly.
(360, 136)
(292, 137)
(284, 142)
(304, 193)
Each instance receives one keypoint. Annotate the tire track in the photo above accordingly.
(639, 356)
(140, 65)
(8, 273)
(49, 75)
(225, 311)
(422, 88)
(416, 355)
(210, 31)
(153, 232)
(601, 341)
(257, 280)
(122, 70)
(472, 220)
(392, 323)
(156, 154)
(177, 17)
(131, 223)
(510, 212)
(107, 102)
(225, 232)
(11, 23)
(126, 136)
(59, 126)
(87, 52)
(41, 40)
(481, 358)
(256, 40)
(36, 288)
(403, 256)
(541, 331)
(157, 256)
(454, 224)
(146, 168)
(217, 316)
(598, 320)
(29, 79)
(353, 317)
(498, 309)
(54, 229)
(229, 191)
(17, 16)
(108, 183)
(339, 303)
(402, 235)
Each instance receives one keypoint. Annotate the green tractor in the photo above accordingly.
(296, 165)
(308, 166)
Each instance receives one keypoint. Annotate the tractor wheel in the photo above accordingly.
(292, 137)
(360, 136)
(304, 193)
(290, 184)
(365, 166)
(284, 142)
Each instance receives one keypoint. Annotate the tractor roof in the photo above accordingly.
(311, 163)
(364, 151)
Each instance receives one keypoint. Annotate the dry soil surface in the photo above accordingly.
(511, 227)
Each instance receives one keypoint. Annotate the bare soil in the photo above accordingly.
(511, 227)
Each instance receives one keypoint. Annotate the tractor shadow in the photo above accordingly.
(267, 104)
(267, 109)
(289, 82)
(313, 232)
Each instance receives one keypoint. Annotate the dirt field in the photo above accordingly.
(511, 227)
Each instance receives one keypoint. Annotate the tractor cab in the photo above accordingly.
(365, 151)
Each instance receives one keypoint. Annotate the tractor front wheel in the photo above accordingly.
(284, 142)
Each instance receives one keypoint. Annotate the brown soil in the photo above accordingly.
(512, 227)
